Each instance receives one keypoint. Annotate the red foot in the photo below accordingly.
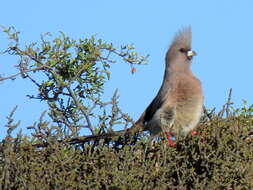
(194, 132)
(170, 141)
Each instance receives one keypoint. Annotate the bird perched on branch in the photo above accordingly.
(177, 107)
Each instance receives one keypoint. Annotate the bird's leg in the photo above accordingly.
(194, 132)
(171, 138)
(167, 118)
(167, 121)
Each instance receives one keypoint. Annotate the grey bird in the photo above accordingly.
(178, 105)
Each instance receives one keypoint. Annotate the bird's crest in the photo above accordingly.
(183, 38)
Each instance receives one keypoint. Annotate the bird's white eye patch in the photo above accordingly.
(191, 53)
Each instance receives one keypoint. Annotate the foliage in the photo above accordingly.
(220, 157)
(70, 76)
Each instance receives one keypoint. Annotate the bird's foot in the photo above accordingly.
(171, 138)
(194, 132)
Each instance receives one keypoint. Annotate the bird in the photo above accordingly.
(178, 105)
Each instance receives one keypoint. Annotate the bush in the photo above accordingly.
(57, 157)
(220, 157)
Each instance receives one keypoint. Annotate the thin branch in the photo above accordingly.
(209, 114)
(84, 139)
(79, 105)
(226, 106)
(12, 77)
(229, 102)
(37, 84)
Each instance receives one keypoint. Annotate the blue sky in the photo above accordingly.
(222, 37)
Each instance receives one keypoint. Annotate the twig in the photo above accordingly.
(12, 77)
(226, 106)
(72, 94)
(84, 139)
(210, 114)
(228, 102)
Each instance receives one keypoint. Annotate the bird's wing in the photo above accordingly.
(150, 110)
(156, 103)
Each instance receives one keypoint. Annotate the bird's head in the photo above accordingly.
(180, 52)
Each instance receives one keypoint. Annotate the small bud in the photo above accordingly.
(133, 70)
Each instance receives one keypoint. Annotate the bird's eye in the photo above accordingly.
(182, 50)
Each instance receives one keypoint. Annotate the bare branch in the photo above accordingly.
(84, 139)
(227, 105)
(229, 102)
(79, 105)
(12, 77)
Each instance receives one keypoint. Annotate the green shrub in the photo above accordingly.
(56, 156)
(220, 157)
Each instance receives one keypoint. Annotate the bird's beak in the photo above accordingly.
(191, 53)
